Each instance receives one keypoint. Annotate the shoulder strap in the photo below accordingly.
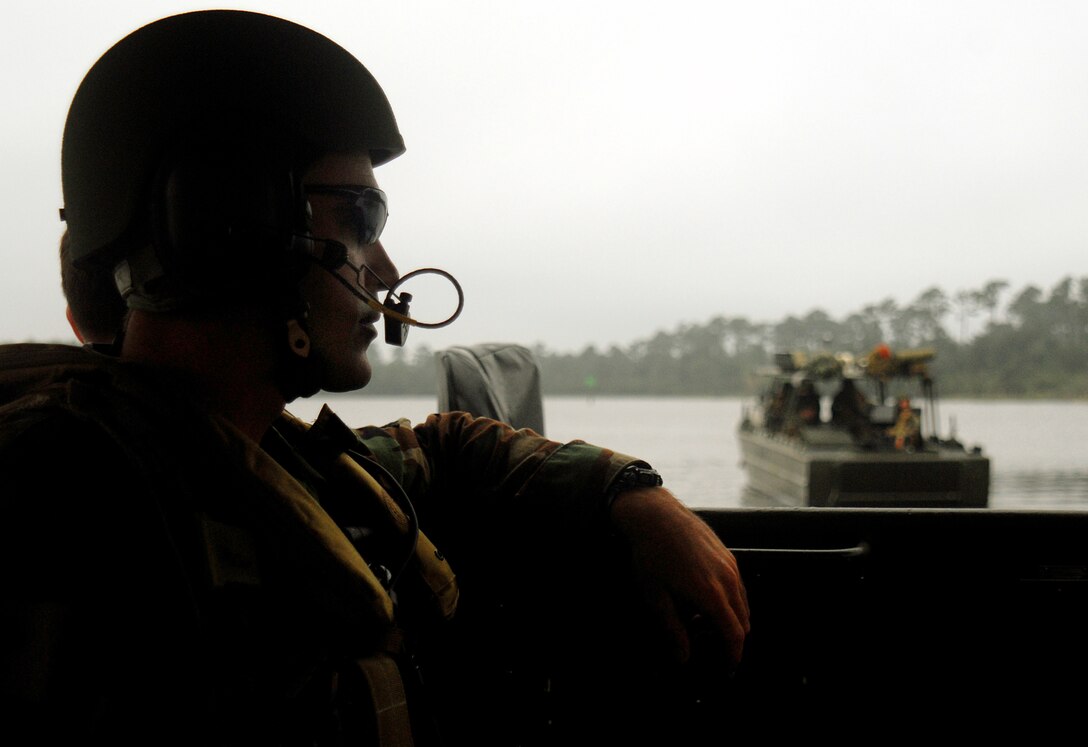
(370, 495)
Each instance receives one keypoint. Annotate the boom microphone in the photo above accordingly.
(396, 331)
(395, 308)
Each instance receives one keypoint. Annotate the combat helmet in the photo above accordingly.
(184, 144)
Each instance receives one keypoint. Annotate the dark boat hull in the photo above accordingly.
(824, 471)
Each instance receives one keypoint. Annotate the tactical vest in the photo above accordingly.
(319, 521)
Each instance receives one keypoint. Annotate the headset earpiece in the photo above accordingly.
(218, 223)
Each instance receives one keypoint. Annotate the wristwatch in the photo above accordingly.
(633, 476)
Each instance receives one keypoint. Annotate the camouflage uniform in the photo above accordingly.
(167, 579)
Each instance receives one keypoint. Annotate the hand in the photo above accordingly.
(683, 569)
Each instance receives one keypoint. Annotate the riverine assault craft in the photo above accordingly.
(835, 430)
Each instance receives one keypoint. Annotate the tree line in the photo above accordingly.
(990, 342)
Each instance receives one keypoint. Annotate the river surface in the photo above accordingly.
(1038, 449)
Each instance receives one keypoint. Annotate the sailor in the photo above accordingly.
(95, 309)
(850, 410)
(906, 430)
(183, 561)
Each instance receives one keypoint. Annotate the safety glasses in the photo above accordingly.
(370, 208)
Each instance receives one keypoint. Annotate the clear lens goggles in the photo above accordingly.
(370, 208)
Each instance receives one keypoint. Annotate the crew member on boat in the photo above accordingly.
(183, 561)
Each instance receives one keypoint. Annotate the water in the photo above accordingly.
(1038, 450)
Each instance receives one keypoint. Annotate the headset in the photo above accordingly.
(227, 226)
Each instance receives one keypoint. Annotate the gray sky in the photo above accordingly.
(594, 172)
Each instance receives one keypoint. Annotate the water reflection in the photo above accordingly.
(1040, 489)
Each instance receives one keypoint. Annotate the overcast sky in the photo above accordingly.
(595, 172)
